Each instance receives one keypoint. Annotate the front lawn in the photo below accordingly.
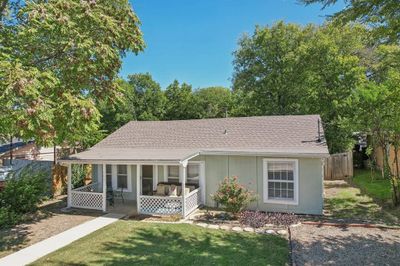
(131, 242)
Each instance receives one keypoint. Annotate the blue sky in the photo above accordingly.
(192, 41)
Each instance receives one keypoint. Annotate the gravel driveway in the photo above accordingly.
(317, 245)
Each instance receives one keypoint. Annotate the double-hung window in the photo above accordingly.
(109, 175)
(281, 181)
(193, 173)
(122, 176)
(173, 173)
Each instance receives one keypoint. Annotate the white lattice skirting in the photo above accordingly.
(169, 205)
(160, 205)
(192, 201)
(85, 197)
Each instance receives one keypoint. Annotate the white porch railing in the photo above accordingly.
(192, 201)
(87, 197)
(169, 205)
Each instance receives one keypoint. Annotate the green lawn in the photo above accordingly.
(130, 242)
(362, 200)
(379, 189)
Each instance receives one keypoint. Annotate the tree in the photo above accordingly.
(381, 15)
(117, 112)
(180, 102)
(213, 102)
(289, 69)
(265, 69)
(58, 59)
(147, 99)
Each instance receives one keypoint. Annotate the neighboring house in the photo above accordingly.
(25, 150)
(280, 158)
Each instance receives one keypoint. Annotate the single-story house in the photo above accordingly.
(167, 167)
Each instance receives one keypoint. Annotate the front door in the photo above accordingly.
(147, 179)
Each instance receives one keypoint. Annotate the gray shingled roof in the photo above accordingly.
(177, 140)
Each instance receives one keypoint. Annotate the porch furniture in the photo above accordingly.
(119, 193)
(110, 196)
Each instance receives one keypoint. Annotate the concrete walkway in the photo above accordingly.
(40, 249)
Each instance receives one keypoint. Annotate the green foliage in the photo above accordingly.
(289, 69)
(21, 195)
(233, 196)
(78, 175)
(180, 102)
(213, 102)
(57, 60)
(382, 16)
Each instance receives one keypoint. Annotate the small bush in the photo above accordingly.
(233, 196)
(254, 219)
(22, 194)
(283, 219)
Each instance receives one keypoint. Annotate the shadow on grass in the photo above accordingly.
(189, 245)
(347, 202)
(348, 249)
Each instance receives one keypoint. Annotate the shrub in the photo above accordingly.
(284, 219)
(254, 219)
(232, 196)
(22, 194)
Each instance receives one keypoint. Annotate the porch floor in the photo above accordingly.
(128, 207)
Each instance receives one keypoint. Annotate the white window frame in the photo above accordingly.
(178, 178)
(115, 179)
(295, 200)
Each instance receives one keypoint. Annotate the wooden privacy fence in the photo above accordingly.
(338, 166)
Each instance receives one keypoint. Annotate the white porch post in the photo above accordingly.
(104, 188)
(155, 176)
(69, 174)
(184, 165)
(138, 187)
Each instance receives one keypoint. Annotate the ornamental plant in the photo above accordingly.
(233, 196)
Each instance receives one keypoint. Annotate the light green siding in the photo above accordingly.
(249, 170)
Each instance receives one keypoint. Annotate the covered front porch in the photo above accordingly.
(153, 188)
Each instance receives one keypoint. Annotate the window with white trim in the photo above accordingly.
(193, 173)
(173, 173)
(109, 175)
(122, 176)
(280, 181)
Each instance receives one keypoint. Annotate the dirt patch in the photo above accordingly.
(321, 245)
(49, 220)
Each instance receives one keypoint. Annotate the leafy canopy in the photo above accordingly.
(383, 16)
(57, 60)
(289, 69)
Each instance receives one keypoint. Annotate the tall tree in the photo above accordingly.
(147, 100)
(289, 69)
(180, 102)
(57, 59)
(381, 15)
(213, 102)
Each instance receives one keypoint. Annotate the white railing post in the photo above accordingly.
(184, 165)
(138, 187)
(104, 176)
(69, 174)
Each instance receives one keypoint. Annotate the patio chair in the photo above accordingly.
(110, 196)
(120, 194)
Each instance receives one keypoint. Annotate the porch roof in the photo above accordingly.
(129, 154)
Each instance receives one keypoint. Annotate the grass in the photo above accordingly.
(377, 188)
(131, 242)
(363, 200)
